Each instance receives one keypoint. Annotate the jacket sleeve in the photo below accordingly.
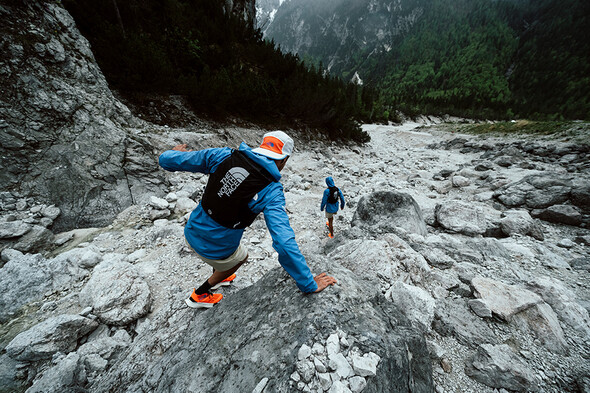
(283, 241)
(342, 201)
(202, 161)
(324, 199)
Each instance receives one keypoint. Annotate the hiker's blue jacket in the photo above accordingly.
(331, 207)
(214, 241)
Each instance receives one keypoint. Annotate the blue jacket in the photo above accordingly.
(214, 241)
(331, 207)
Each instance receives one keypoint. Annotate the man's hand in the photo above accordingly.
(323, 281)
(182, 147)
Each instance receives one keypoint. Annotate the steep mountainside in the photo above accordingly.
(477, 58)
(341, 33)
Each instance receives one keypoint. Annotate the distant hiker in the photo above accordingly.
(330, 202)
(242, 183)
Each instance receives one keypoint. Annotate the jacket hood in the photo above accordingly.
(264, 161)
(330, 181)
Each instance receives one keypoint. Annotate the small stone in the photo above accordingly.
(480, 308)
(566, 243)
(306, 369)
(365, 366)
(325, 380)
(339, 364)
(446, 365)
(296, 377)
(261, 385)
(338, 387)
(319, 365)
(159, 203)
(333, 344)
(357, 384)
(304, 352)
(318, 349)
(85, 311)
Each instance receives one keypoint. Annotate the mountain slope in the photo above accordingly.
(474, 58)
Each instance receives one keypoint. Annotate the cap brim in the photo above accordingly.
(269, 154)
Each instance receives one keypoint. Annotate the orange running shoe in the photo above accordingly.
(206, 300)
(225, 282)
(330, 236)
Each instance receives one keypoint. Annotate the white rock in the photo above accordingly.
(340, 365)
(304, 352)
(261, 385)
(51, 212)
(306, 369)
(184, 205)
(171, 197)
(460, 181)
(319, 365)
(159, 203)
(339, 387)
(317, 349)
(333, 344)
(9, 253)
(325, 380)
(296, 377)
(503, 300)
(365, 366)
(357, 384)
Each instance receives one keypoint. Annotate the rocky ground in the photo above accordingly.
(481, 243)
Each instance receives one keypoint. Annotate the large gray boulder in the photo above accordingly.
(560, 214)
(536, 191)
(499, 367)
(57, 334)
(258, 332)
(26, 278)
(23, 279)
(64, 138)
(461, 217)
(502, 299)
(386, 210)
(117, 293)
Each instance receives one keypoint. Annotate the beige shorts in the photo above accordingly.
(330, 215)
(223, 265)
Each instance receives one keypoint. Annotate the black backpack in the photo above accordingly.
(231, 187)
(333, 195)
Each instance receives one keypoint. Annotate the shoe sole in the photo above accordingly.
(221, 284)
(192, 304)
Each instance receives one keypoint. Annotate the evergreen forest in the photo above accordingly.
(219, 61)
(490, 59)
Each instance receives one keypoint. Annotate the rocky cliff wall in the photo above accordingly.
(245, 9)
(65, 139)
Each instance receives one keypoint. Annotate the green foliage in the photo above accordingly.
(221, 63)
(483, 59)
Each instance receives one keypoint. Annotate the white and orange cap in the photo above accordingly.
(276, 145)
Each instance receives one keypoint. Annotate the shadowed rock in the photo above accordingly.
(65, 139)
(498, 367)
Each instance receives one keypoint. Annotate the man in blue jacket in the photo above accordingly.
(242, 183)
(330, 202)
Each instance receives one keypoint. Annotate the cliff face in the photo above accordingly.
(339, 30)
(65, 139)
(245, 9)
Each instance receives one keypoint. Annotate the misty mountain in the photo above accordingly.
(476, 58)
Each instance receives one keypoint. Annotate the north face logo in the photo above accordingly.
(232, 180)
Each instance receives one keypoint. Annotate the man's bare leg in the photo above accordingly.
(218, 276)
(330, 227)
